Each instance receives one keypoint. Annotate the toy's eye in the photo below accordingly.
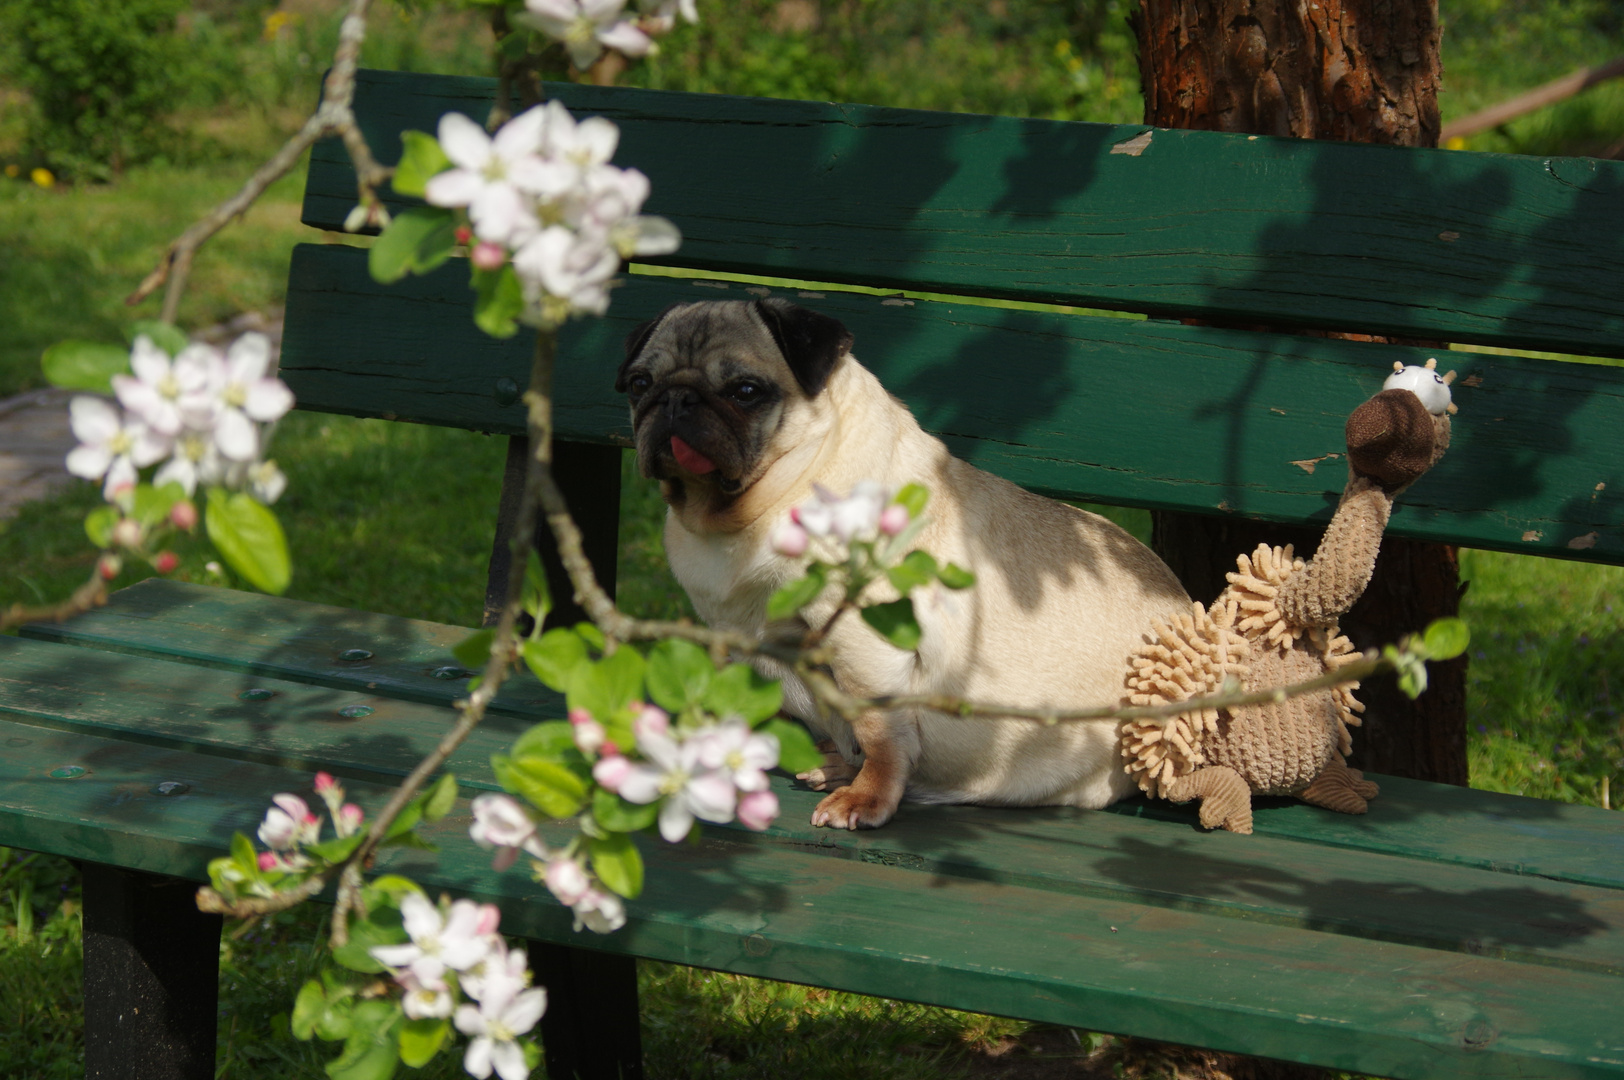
(639, 384)
(745, 392)
(1439, 379)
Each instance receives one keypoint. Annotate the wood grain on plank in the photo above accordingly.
(1501, 249)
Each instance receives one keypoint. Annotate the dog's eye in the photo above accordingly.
(745, 392)
(639, 384)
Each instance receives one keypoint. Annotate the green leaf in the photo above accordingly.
(420, 1040)
(152, 505)
(955, 577)
(99, 525)
(441, 798)
(1446, 639)
(373, 1048)
(307, 1010)
(382, 926)
(474, 651)
(548, 786)
(797, 753)
(387, 891)
(618, 864)
(415, 242)
(554, 656)
(535, 597)
(797, 594)
(607, 687)
(549, 739)
(895, 622)
(591, 635)
(621, 815)
(243, 854)
(406, 820)
(919, 568)
(914, 497)
(498, 301)
(167, 336)
(740, 689)
(249, 537)
(421, 159)
(334, 1022)
(678, 673)
(336, 849)
(84, 365)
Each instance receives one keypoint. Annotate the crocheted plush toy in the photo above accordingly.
(1275, 625)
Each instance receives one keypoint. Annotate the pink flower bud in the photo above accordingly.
(325, 782)
(608, 749)
(789, 540)
(757, 809)
(183, 515)
(893, 519)
(108, 566)
(589, 736)
(166, 562)
(611, 772)
(488, 256)
(567, 880)
(268, 860)
(489, 916)
(653, 720)
(351, 815)
(463, 234)
(128, 533)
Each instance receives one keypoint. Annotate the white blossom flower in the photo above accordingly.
(854, 517)
(289, 824)
(502, 822)
(456, 941)
(266, 481)
(737, 752)
(586, 27)
(425, 1001)
(574, 267)
(568, 880)
(111, 445)
(161, 392)
(501, 976)
(237, 394)
(790, 539)
(661, 15)
(493, 174)
(600, 911)
(495, 1026)
(677, 777)
(196, 460)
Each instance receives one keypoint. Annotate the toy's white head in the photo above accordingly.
(1425, 383)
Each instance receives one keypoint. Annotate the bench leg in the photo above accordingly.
(151, 977)
(589, 477)
(589, 1031)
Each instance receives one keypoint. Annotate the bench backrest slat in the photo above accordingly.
(1140, 413)
(1498, 249)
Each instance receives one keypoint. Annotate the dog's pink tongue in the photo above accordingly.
(691, 459)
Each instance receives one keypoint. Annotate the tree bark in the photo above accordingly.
(1357, 71)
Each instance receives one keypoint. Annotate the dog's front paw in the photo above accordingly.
(833, 773)
(851, 808)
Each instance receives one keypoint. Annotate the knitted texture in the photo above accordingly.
(1346, 559)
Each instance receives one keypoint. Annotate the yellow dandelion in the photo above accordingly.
(43, 178)
(1455, 142)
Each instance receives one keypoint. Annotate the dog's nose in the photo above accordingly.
(678, 401)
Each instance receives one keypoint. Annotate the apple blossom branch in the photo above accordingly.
(334, 116)
(93, 593)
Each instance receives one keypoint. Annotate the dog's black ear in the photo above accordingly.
(810, 342)
(634, 345)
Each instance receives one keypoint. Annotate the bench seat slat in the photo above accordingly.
(197, 707)
(790, 913)
(1137, 413)
(1508, 250)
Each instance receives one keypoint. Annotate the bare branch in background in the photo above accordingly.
(91, 594)
(334, 116)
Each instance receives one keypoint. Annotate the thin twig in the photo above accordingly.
(91, 594)
(334, 116)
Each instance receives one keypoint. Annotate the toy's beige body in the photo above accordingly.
(1276, 625)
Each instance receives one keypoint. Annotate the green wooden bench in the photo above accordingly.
(1449, 933)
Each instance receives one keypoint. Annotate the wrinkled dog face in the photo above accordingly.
(715, 387)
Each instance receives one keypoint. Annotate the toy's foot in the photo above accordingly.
(833, 773)
(854, 808)
(1341, 789)
(1226, 800)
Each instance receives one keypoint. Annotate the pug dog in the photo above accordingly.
(739, 407)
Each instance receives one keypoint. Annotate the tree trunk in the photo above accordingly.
(1359, 71)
